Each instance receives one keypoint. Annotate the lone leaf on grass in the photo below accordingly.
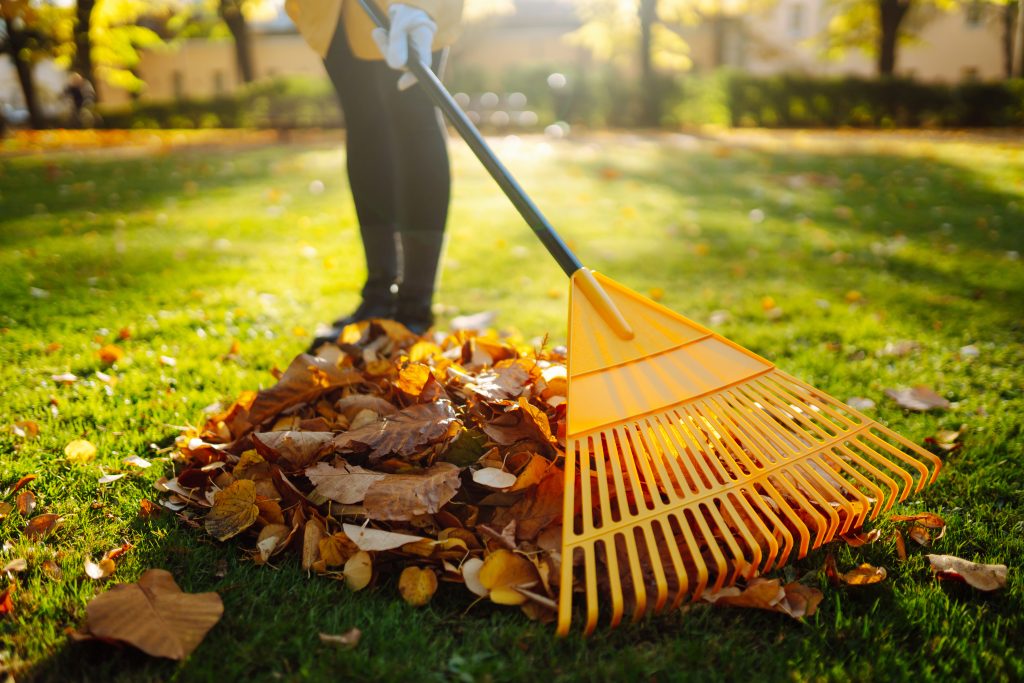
(926, 519)
(26, 502)
(417, 585)
(154, 615)
(110, 354)
(234, 510)
(863, 575)
(346, 641)
(40, 527)
(984, 577)
(80, 451)
(919, 398)
(99, 570)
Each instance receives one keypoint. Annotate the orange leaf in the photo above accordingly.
(502, 572)
(234, 510)
(110, 354)
(40, 527)
(864, 575)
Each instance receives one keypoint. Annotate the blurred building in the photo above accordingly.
(960, 45)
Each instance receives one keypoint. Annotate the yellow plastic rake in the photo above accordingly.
(691, 462)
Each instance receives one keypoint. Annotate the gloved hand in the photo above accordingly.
(406, 23)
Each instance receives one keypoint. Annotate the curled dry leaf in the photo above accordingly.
(18, 564)
(154, 615)
(504, 571)
(925, 519)
(99, 570)
(346, 641)
(417, 585)
(296, 449)
(306, 378)
(234, 510)
(919, 398)
(80, 451)
(858, 538)
(793, 599)
(26, 503)
(471, 575)
(984, 577)
(901, 546)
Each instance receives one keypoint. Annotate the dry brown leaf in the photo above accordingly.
(471, 575)
(6, 603)
(306, 378)
(22, 482)
(154, 615)
(404, 496)
(793, 599)
(403, 434)
(234, 510)
(984, 577)
(311, 535)
(507, 380)
(919, 398)
(99, 570)
(901, 546)
(18, 564)
(271, 541)
(417, 585)
(857, 539)
(41, 526)
(864, 575)
(921, 535)
(358, 571)
(26, 503)
(296, 449)
(346, 641)
(504, 571)
(541, 508)
(926, 519)
(346, 484)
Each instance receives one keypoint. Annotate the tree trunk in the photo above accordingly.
(718, 41)
(231, 13)
(890, 15)
(17, 43)
(1019, 70)
(651, 114)
(83, 43)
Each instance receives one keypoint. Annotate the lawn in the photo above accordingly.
(823, 252)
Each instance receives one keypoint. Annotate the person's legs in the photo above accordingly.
(423, 186)
(370, 159)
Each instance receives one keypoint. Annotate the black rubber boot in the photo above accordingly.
(383, 256)
(419, 276)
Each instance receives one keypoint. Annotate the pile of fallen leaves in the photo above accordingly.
(391, 453)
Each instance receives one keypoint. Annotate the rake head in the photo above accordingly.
(692, 462)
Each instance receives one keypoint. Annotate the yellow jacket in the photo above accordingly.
(317, 20)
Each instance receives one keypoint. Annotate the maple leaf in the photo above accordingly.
(154, 615)
(403, 434)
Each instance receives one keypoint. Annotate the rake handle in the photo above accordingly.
(446, 103)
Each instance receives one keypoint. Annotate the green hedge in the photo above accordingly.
(294, 102)
(801, 102)
(600, 96)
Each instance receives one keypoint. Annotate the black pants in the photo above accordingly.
(396, 155)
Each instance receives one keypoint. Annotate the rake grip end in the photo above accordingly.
(602, 303)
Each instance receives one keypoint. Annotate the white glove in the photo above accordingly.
(406, 23)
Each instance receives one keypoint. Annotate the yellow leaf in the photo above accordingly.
(80, 451)
(417, 585)
(502, 572)
(359, 571)
(234, 510)
(864, 575)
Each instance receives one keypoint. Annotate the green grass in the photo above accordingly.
(865, 240)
